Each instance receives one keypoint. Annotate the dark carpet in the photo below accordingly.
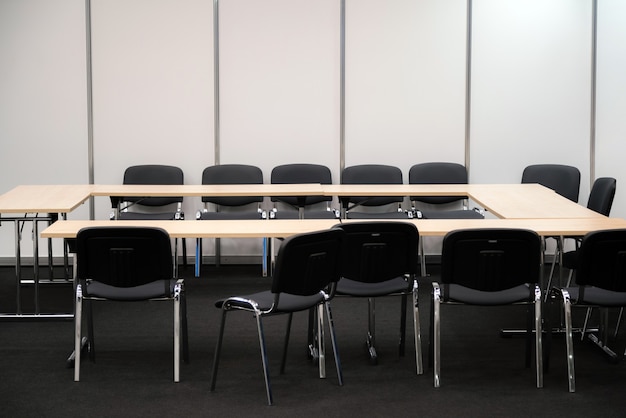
(483, 374)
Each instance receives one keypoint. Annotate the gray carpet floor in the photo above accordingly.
(483, 374)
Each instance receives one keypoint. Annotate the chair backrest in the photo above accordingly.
(563, 179)
(153, 174)
(602, 260)
(602, 194)
(301, 174)
(123, 256)
(371, 174)
(437, 173)
(491, 259)
(232, 174)
(375, 252)
(308, 263)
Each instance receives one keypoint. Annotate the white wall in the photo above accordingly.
(405, 91)
(43, 122)
(611, 98)
(531, 65)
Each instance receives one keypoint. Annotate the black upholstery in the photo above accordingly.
(127, 264)
(302, 174)
(229, 174)
(440, 173)
(372, 174)
(563, 179)
(307, 270)
(381, 259)
(489, 267)
(232, 174)
(601, 201)
(143, 208)
(152, 174)
(600, 283)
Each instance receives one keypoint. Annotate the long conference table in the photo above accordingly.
(529, 206)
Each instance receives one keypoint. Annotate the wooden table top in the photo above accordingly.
(503, 200)
(44, 198)
(151, 190)
(280, 228)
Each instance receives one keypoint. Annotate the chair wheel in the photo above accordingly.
(371, 351)
(313, 353)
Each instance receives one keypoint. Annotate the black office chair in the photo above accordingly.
(126, 264)
(372, 174)
(230, 207)
(307, 270)
(489, 267)
(381, 259)
(601, 201)
(306, 206)
(441, 173)
(151, 208)
(564, 180)
(600, 283)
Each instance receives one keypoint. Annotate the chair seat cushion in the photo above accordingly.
(377, 215)
(264, 301)
(134, 216)
(451, 214)
(308, 214)
(156, 289)
(458, 293)
(597, 296)
(355, 288)
(214, 216)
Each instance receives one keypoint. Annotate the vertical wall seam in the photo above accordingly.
(216, 83)
(468, 84)
(594, 64)
(88, 63)
(342, 86)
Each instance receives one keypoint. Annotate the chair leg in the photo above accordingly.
(587, 317)
(567, 309)
(417, 331)
(77, 332)
(218, 350)
(402, 343)
(198, 261)
(312, 335)
(91, 346)
(618, 323)
(529, 336)
(177, 334)
(184, 244)
(321, 344)
(437, 336)
(422, 258)
(538, 336)
(184, 330)
(266, 372)
(371, 329)
(333, 339)
(286, 344)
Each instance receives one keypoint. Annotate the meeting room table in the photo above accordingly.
(530, 206)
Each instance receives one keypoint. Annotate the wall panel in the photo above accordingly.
(43, 122)
(152, 88)
(531, 85)
(405, 82)
(611, 98)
